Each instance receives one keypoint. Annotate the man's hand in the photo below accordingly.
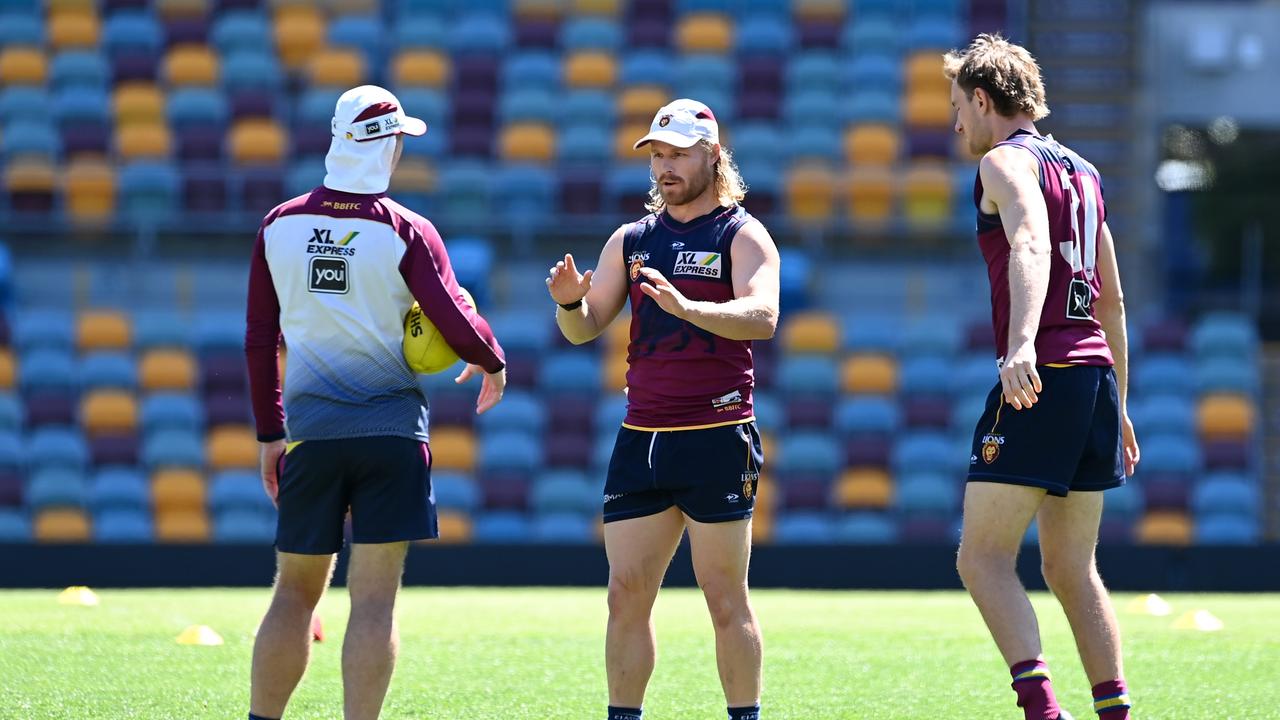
(269, 458)
(1131, 452)
(1019, 377)
(565, 284)
(491, 388)
(664, 293)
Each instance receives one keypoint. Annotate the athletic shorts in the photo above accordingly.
(1069, 440)
(385, 482)
(710, 474)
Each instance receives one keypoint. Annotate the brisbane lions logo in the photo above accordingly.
(635, 262)
(991, 447)
(664, 121)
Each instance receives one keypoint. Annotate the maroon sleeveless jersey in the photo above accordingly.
(1069, 333)
(680, 376)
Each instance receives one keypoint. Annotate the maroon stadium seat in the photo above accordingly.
(10, 489)
(808, 412)
(223, 371)
(537, 33)
(573, 413)
(928, 530)
(114, 449)
(865, 450)
(51, 407)
(456, 408)
(134, 65)
(201, 142)
(571, 450)
(1165, 335)
(186, 30)
(819, 33)
(927, 411)
(86, 137)
(506, 490)
(580, 192)
(648, 33)
(204, 194)
(1166, 491)
(806, 492)
(224, 407)
(1227, 455)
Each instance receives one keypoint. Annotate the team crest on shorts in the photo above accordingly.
(635, 262)
(991, 447)
(749, 480)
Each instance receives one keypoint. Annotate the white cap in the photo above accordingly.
(369, 112)
(683, 123)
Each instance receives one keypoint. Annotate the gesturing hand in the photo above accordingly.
(664, 293)
(491, 387)
(565, 284)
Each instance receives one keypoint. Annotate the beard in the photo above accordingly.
(687, 190)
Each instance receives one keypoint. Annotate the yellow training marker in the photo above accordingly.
(199, 635)
(78, 595)
(1151, 604)
(1201, 620)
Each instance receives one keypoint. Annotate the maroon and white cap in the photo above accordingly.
(369, 112)
(682, 123)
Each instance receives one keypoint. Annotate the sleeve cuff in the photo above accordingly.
(270, 437)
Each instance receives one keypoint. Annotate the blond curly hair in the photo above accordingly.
(1007, 72)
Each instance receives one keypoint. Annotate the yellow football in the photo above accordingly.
(425, 350)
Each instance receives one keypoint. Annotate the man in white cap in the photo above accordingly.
(335, 271)
(702, 278)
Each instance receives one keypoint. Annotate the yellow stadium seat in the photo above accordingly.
(163, 369)
(1225, 415)
(538, 9)
(232, 446)
(102, 330)
(590, 69)
(1165, 527)
(191, 64)
(420, 68)
(71, 4)
(872, 144)
(183, 526)
(455, 527)
(413, 175)
(831, 10)
(624, 140)
(299, 33)
(61, 525)
(704, 32)
(22, 66)
(869, 373)
(257, 141)
(923, 73)
(864, 488)
(618, 335)
(108, 411)
(762, 528)
(810, 191)
(869, 194)
(926, 194)
(528, 142)
(8, 369)
(638, 103)
(138, 102)
(90, 189)
(453, 449)
(73, 28)
(172, 9)
(140, 140)
(337, 67)
(177, 490)
(615, 371)
(810, 332)
(607, 8)
(927, 109)
(30, 175)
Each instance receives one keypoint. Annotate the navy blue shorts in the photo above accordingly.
(1069, 440)
(385, 482)
(710, 474)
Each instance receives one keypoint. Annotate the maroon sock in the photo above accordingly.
(1111, 700)
(1035, 692)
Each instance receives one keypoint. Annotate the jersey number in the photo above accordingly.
(1081, 251)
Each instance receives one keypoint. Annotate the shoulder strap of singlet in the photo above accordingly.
(741, 218)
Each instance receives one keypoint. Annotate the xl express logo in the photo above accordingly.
(322, 243)
(702, 264)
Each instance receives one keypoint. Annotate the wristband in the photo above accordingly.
(572, 306)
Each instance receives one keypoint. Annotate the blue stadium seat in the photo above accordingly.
(804, 528)
(455, 492)
(867, 414)
(794, 277)
(565, 491)
(108, 369)
(808, 375)
(118, 488)
(48, 369)
(808, 452)
(874, 70)
(1224, 335)
(18, 28)
(56, 487)
(127, 31)
(594, 108)
(80, 69)
(769, 411)
(510, 450)
(160, 328)
(242, 526)
(871, 333)
(252, 69)
(967, 410)
(149, 191)
(12, 452)
(590, 33)
(926, 493)
(14, 526)
(612, 409)
(479, 33)
(472, 258)
(365, 33)
(419, 32)
(240, 30)
(936, 335)
(315, 107)
(521, 330)
(529, 195)
(28, 137)
(814, 70)
(758, 142)
(865, 529)
(23, 103)
(238, 490)
(1164, 375)
(925, 375)
(123, 526)
(720, 98)
(815, 107)
(172, 448)
(816, 139)
(1170, 454)
(700, 70)
(570, 371)
(519, 410)
(190, 106)
(764, 34)
(932, 31)
(1125, 501)
(1227, 493)
(645, 67)
(464, 189)
(538, 104)
(872, 104)
(627, 181)
(563, 528)
(502, 527)
(1165, 414)
(531, 69)
(587, 144)
(1227, 529)
(429, 104)
(975, 374)
(305, 176)
(927, 452)
(12, 413)
(1228, 374)
(220, 329)
(49, 329)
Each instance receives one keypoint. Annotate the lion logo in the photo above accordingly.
(991, 448)
(635, 263)
(664, 121)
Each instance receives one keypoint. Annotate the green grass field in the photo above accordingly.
(532, 654)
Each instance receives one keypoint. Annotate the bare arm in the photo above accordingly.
(603, 291)
(1110, 310)
(753, 312)
(1010, 180)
